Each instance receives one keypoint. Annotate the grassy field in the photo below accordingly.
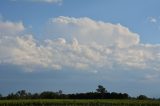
(61, 102)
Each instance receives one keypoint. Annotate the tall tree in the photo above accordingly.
(0, 96)
(101, 89)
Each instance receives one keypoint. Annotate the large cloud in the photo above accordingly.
(86, 45)
(88, 31)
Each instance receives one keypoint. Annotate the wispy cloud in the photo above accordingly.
(47, 1)
(152, 20)
(44, 1)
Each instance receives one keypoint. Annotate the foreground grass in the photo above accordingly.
(69, 102)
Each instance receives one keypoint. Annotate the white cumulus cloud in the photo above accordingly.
(88, 31)
(85, 44)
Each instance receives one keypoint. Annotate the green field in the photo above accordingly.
(69, 102)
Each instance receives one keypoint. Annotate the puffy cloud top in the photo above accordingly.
(88, 31)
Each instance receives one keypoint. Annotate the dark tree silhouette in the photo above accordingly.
(49, 95)
(0, 96)
(12, 96)
(60, 92)
(101, 93)
(101, 89)
(142, 97)
(35, 96)
(22, 93)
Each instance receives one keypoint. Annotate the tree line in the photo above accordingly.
(100, 93)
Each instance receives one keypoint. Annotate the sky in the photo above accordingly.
(76, 45)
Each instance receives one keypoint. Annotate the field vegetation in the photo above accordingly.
(101, 97)
(79, 102)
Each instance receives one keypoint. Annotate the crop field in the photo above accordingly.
(69, 102)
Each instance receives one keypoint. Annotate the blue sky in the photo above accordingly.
(132, 14)
(75, 45)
